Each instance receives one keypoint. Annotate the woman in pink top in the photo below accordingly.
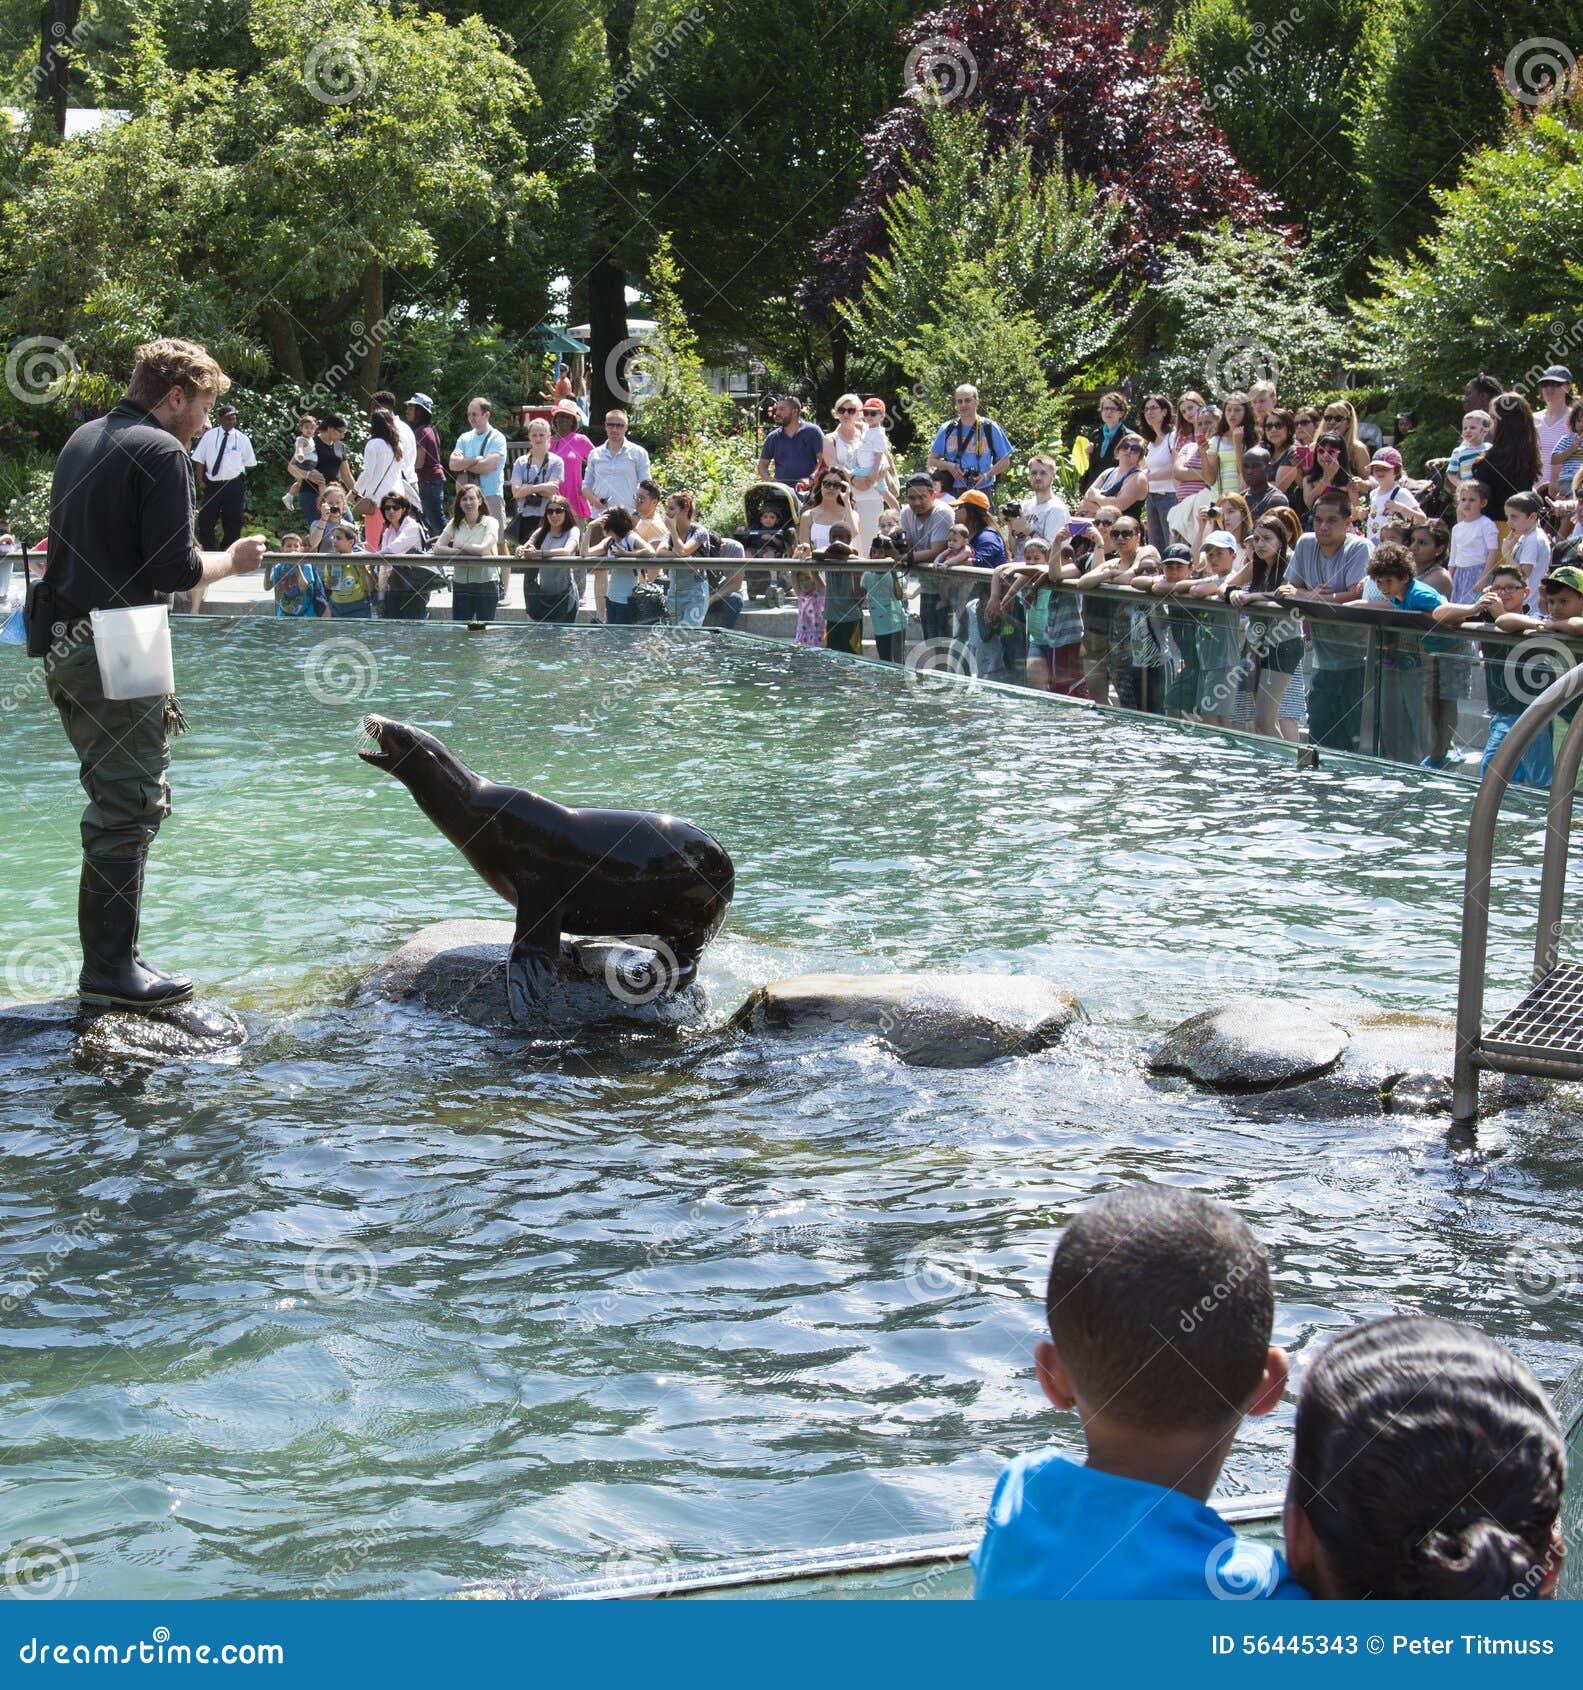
(572, 447)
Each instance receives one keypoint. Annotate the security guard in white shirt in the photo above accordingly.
(224, 455)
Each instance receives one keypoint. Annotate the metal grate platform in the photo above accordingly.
(1546, 1026)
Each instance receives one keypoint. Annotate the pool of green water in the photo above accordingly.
(386, 1305)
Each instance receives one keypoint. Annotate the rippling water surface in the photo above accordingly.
(387, 1305)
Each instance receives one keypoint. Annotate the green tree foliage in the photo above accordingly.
(977, 330)
(1281, 79)
(1499, 286)
(665, 378)
(1238, 305)
(1046, 241)
(289, 215)
(1441, 75)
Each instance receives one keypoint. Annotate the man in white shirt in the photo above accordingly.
(615, 467)
(1047, 512)
(223, 455)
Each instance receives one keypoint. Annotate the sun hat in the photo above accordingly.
(423, 402)
(567, 408)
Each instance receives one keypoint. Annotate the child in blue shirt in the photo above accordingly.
(1160, 1311)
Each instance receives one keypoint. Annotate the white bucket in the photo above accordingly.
(133, 648)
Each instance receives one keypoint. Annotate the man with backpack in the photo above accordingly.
(974, 448)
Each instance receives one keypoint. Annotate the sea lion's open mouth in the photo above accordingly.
(371, 746)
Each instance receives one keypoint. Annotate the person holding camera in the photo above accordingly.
(974, 448)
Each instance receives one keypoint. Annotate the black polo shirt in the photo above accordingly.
(120, 520)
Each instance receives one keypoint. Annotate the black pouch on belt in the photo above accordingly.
(38, 617)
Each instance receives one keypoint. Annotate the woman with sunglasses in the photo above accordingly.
(402, 536)
(1280, 440)
(1329, 470)
(472, 536)
(1125, 485)
(558, 589)
(861, 452)
(1340, 418)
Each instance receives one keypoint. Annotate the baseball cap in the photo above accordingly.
(874, 405)
(1567, 576)
(424, 400)
(1556, 372)
(975, 498)
(1387, 455)
(226, 411)
(1178, 553)
(918, 479)
(1219, 538)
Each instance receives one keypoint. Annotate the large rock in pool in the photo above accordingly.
(459, 968)
(1321, 1059)
(1251, 1045)
(929, 1020)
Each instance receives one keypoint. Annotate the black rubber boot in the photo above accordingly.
(109, 906)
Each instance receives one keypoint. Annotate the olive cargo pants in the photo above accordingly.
(123, 750)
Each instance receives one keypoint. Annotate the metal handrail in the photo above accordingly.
(1492, 791)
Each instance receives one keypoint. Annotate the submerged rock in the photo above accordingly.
(929, 1020)
(196, 1031)
(1251, 1045)
(459, 968)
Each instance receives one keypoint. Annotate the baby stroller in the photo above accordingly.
(772, 539)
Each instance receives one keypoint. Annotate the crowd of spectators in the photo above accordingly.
(1187, 557)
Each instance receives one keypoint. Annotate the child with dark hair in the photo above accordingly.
(1160, 1310)
(1427, 1465)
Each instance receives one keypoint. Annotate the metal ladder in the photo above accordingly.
(1543, 1035)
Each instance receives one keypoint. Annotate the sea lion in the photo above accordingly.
(617, 873)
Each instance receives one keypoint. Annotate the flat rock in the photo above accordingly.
(1251, 1044)
(196, 1031)
(928, 1020)
(1307, 1059)
(459, 968)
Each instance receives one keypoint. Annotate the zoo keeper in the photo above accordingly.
(121, 535)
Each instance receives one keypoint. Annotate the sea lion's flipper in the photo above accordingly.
(532, 969)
